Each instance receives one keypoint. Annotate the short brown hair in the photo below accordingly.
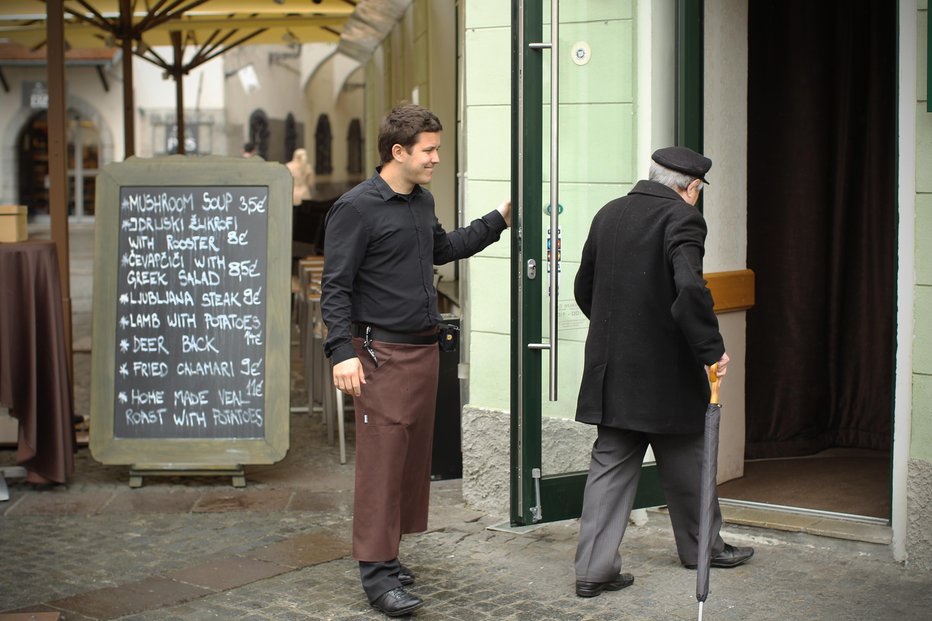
(402, 125)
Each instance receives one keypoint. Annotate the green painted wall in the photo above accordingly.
(486, 167)
(921, 428)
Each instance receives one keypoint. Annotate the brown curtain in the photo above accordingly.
(821, 225)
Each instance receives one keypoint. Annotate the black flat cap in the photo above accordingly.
(684, 160)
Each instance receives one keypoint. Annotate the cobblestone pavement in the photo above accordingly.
(254, 563)
(197, 549)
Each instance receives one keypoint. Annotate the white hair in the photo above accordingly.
(670, 178)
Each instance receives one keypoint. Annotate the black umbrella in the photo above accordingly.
(707, 491)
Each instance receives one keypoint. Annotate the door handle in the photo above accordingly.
(554, 235)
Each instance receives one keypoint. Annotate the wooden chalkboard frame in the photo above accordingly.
(196, 455)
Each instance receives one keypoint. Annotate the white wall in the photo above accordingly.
(154, 94)
(725, 202)
(153, 90)
(725, 128)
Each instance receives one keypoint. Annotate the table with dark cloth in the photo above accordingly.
(34, 380)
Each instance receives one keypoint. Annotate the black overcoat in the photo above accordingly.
(651, 323)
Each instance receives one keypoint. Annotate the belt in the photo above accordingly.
(387, 336)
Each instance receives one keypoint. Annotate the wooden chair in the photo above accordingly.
(312, 335)
(310, 271)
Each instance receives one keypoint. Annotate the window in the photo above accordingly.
(323, 141)
(354, 148)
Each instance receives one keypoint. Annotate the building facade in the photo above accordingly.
(633, 75)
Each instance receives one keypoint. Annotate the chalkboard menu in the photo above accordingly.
(191, 313)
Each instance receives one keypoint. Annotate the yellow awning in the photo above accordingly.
(95, 23)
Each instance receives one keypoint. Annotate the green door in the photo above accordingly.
(577, 155)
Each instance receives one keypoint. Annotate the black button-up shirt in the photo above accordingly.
(379, 251)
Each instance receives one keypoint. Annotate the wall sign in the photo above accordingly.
(35, 95)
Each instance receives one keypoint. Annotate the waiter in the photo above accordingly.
(380, 306)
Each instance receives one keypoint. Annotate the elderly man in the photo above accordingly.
(651, 331)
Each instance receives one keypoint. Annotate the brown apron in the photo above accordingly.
(394, 437)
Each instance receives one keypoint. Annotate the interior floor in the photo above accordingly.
(839, 480)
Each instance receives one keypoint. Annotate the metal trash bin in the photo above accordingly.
(447, 453)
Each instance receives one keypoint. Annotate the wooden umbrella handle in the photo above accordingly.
(713, 381)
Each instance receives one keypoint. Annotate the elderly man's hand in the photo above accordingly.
(721, 369)
(723, 365)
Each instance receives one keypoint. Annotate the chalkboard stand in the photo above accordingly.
(177, 240)
(137, 472)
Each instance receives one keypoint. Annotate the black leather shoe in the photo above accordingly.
(591, 589)
(731, 556)
(397, 602)
(406, 576)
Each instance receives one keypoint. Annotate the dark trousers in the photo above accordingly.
(378, 578)
(394, 437)
(614, 472)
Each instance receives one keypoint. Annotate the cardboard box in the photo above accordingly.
(13, 223)
(9, 429)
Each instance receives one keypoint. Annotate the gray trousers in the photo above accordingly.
(610, 489)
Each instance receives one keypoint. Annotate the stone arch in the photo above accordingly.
(9, 164)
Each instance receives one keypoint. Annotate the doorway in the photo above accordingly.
(822, 243)
(83, 162)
